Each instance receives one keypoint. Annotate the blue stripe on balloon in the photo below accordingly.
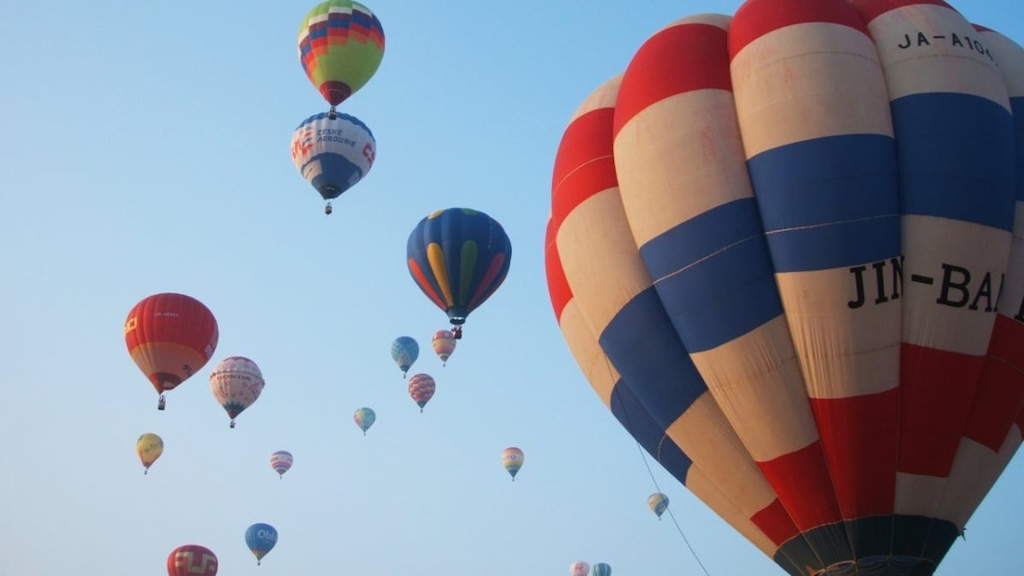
(956, 154)
(1017, 106)
(828, 202)
(629, 411)
(644, 347)
(333, 169)
(714, 275)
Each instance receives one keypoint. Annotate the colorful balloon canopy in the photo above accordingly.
(579, 568)
(778, 264)
(512, 460)
(260, 538)
(281, 461)
(404, 351)
(658, 503)
(421, 388)
(333, 154)
(341, 45)
(236, 383)
(149, 447)
(191, 560)
(364, 417)
(601, 569)
(443, 342)
(458, 257)
(170, 337)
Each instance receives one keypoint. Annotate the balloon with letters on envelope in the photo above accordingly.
(783, 250)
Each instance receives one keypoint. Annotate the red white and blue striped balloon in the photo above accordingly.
(776, 248)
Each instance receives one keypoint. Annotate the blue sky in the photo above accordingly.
(146, 150)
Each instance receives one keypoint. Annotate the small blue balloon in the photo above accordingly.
(260, 538)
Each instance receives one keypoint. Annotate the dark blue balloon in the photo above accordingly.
(458, 257)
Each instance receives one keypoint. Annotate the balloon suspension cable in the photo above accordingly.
(643, 457)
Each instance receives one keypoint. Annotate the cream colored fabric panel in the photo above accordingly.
(757, 383)
(843, 352)
(588, 354)
(974, 472)
(982, 250)
(708, 492)
(918, 495)
(785, 94)
(679, 158)
(703, 433)
(914, 66)
(601, 262)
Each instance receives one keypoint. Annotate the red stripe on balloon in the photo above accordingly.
(775, 522)
(1000, 394)
(938, 389)
(859, 434)
(871, 9)
(755, 18)
(584, 165)
(677, 60)
(424, 284)
(801, 480)
(558, 284)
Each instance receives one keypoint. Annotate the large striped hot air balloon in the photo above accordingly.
(421, 389)
(783, 250)
(170, 337)
(341, 45)
(458, 258)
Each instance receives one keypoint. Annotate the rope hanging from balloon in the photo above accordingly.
(657, 488)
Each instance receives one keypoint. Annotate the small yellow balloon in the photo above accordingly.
(149, 447)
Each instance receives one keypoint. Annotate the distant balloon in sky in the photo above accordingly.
(579, 568)
(341, 45)
(658, 503)
(512, 460)
(458, 258)
(281, 461)
(365, 417)
(404, 351)
(236, 383)
(170, 337)
(444, 344)
(601, 569)
(421, 388)
(260, 538)
(333, 154)
(191, 560)
(780, 266)
(149, 447)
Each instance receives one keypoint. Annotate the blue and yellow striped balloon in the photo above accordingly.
(458, 257)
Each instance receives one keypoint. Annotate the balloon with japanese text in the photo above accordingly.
(777, 262)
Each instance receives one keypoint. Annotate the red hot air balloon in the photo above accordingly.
(192, 560)
(170, 337)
